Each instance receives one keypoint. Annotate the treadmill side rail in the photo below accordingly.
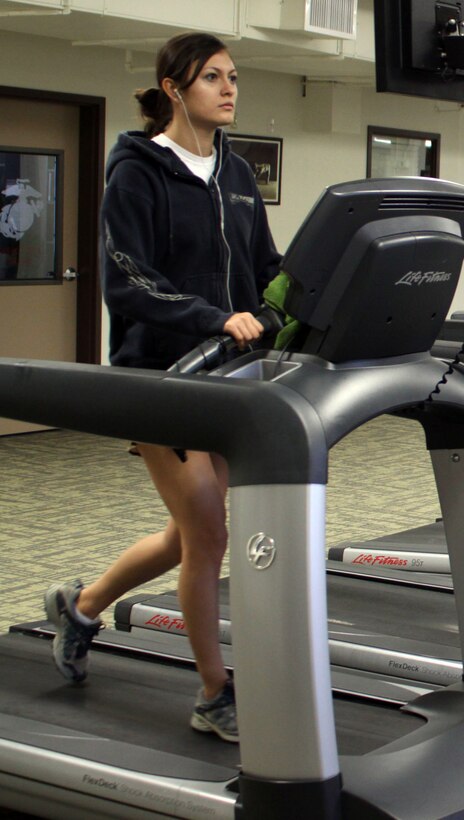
(448, 466)
(120, 793)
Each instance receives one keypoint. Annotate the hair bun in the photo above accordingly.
(149, 100)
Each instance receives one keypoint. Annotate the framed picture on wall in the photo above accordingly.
(30, 215)
(264, 156)
(394, 152)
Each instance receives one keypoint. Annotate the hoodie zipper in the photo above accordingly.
(225, 251)
(225, 254)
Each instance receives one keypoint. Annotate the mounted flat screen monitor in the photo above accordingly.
(374, 267)
(419, 48)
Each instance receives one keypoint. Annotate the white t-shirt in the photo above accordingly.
(202, 167)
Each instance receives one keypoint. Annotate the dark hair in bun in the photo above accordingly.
(175, 61)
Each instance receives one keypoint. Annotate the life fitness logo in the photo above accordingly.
(383, 560)
(261, 551)
(428, 277)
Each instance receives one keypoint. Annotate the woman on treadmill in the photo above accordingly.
(186, 254)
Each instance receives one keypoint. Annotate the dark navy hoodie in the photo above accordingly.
(178, 258)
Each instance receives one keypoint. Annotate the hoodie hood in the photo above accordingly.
(136, 144)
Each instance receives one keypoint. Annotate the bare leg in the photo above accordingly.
(203, 549)
(194, 493)
(149, 558)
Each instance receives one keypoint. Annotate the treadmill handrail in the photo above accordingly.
(231, 417)
(269, 432)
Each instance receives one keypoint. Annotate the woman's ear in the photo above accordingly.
(169, 88)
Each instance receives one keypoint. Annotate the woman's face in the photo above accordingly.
(210, 100)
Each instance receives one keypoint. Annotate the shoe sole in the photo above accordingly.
(53, 615)
(51, 609)
(200, 724)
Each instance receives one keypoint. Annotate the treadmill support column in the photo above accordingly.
(448, 467)
(281, 657)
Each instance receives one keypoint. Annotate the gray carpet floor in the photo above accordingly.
(72, 502)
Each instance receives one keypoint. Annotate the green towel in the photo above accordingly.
(274, 296)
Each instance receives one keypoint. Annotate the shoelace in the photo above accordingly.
(79, 639)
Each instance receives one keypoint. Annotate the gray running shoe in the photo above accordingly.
(217, 715)
(73, 637)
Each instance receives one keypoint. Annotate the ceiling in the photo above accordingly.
(319, 59)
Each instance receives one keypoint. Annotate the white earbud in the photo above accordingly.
(178, 94)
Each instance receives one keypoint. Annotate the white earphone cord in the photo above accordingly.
(221, 204)
(181, 99)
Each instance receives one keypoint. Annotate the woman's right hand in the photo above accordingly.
(244, 328)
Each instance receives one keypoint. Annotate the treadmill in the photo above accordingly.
(403, 764)
(420, 549)
(412, 637)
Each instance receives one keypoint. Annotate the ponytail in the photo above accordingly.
(156, 109)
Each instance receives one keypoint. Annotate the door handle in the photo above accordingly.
(70, 274)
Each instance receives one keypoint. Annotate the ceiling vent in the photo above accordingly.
(324, 18)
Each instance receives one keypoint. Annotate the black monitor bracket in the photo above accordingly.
(450, 29)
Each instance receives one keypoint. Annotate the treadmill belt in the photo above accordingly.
(387, 608)
(370, 605)
(138, 702)
(363, 727)
(148, 704)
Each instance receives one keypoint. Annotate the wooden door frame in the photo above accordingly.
(91, 179)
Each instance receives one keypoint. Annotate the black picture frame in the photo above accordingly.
(31, 196)
(264, 156)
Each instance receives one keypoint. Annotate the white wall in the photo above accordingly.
(313, 159)
(324, 132)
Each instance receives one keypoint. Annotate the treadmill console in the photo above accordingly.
(374, 267)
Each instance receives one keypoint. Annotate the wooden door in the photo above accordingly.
(38, 317)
